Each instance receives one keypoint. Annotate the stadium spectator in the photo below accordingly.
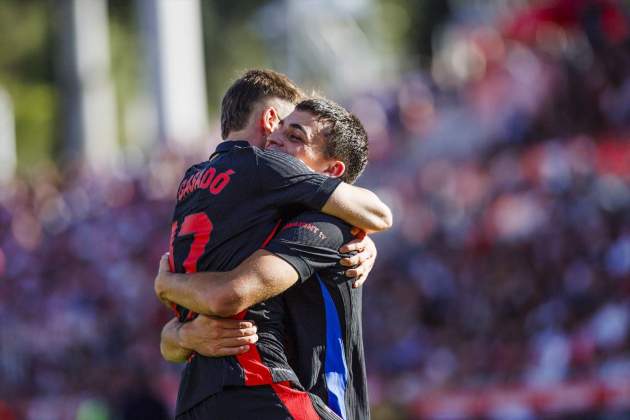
(509, 267)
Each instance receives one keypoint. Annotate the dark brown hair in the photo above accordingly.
(345, 136)
(255, 85)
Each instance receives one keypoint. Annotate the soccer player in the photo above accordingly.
(322, 314)
(227, 207)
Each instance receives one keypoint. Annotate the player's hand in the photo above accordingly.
(159, 284)
(170, 346)
(363, 261)
(217, 337)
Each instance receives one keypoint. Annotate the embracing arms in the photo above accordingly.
(359, 207)
(207, 336)
(261, 276)
(288, 181)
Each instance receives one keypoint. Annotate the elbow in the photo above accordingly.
(382, 220)
(166, 354)
(173, 358)
(387, 218)
(226, 304)
(171, 354)
(228, 310)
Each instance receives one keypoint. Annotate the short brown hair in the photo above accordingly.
(346, 139)
(255, 85)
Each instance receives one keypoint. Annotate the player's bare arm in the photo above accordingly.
(212, 337)
(215, 337)
(261, 276)
(308, 135)
(171, 346)
(361, 263)
(359, 207)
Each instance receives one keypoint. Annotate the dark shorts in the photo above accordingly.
(273, 402)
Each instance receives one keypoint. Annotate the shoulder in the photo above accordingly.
(320, 226)
(241, 159)
(193, 169)
(279, 161)
(321, 218)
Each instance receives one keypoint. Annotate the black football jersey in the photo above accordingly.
(227, 208)
(324, 342)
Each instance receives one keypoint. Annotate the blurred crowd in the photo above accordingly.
(79, 320)
(508, 168)
(507, 165)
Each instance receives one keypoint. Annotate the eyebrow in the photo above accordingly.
(298, 127)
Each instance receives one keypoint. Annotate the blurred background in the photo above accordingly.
(499, 135)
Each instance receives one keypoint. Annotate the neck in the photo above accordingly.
(246, 134)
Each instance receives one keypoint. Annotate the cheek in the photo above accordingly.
(311, 159)
(295, 150)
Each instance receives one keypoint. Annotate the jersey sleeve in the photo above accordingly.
(310, 242)
(289, 181)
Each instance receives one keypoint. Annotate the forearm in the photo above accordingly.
(197, 292)
(261, 276)
(170, 343)
(223, 294)
(359, 207)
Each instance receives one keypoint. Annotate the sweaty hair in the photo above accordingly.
(254, 86)
(345, 136)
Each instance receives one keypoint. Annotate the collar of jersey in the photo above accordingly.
(231, 144)
(228, 145)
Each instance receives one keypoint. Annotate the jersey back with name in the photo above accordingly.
(213, 229)
(226, 208)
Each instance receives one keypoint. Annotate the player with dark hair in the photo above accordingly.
(256, 89)
(322, 316)
(345, 136)
(227, 207)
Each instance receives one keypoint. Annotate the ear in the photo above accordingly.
(269, 120)
(335, 169)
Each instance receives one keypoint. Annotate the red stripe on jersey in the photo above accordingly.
(256, 372)
(176, 310)
(271, 235)
(171, 257)
(297, 402)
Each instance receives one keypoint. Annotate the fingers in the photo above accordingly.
(159, 283)
(237, 341)
(225, 323)
(355, 245)
(355, 272)
(222, 328)
(361, 263)
(359, 282)
(222, 351)
(217, 337)
(227, 346)
(356, 259)
(237, 332)
(164, 265)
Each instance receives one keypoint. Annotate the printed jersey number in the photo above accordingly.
(200, 226)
